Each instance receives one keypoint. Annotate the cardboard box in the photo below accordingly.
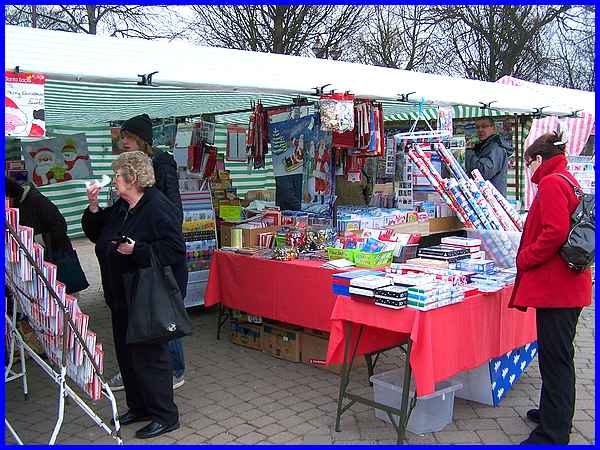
(413, 227)
(442, 224)
(247, 335)
(249, 236)
(282, 342)
(314, 351)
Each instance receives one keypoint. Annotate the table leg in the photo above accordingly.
(404, 413)
(345, 377)
(370, 367)
(221, 319)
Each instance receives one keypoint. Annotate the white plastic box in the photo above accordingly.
(431, 413)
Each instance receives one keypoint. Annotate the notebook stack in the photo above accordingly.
(433, 295)
(341, 281)
(394, 297)
(446, 253)
(473, 245)
(363, 288)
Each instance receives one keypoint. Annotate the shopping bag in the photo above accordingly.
(156, 312)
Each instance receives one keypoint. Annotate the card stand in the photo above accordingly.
(12, 344)
(200, 235)
(74, 356)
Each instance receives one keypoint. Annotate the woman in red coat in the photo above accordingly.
(545, 282)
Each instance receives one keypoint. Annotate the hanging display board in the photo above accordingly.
(58, 159)
(24, 104)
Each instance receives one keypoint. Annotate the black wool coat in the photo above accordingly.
(153, 224)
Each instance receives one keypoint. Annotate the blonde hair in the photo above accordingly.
(135, 167)
(142, 144)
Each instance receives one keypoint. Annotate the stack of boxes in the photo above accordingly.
(473, 245)
(284, 341)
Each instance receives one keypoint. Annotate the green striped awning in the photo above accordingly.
(75, 107)
(430, 113)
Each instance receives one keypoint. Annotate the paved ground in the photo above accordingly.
(238, 395)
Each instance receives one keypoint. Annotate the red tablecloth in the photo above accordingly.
(446, 341)
(296, 292)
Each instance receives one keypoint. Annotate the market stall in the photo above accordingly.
(264, 158)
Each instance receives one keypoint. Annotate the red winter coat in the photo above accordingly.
(543, 278)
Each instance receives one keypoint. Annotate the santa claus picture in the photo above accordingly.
(77, 165)
(45, 169)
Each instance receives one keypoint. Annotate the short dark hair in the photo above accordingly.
(489, 120)
(545, 147)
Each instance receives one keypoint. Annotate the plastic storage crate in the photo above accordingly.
(431, 413)
(371, 260)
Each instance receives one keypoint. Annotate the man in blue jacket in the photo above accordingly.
(490, 155)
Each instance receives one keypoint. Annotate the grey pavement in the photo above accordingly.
(242, 396)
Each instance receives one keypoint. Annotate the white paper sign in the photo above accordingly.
(24, 104)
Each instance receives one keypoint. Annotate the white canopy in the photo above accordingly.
(82, 57)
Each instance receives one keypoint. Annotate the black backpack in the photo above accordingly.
(578, 251)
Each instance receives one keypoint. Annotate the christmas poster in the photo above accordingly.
(58, 159)
(24, 104)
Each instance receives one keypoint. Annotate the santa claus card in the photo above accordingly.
(24, 104)
(56, 160)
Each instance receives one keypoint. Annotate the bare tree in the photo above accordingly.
(572, 52)
(400, 37)
(496, 40)
(291, 30)
(115, 20)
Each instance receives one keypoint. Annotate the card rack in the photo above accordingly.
(59, 325)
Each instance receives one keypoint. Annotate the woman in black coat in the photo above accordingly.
(150, 222)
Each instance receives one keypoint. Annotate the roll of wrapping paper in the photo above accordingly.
(483, 204)
(464, 186)
(501, 215)
(454, 188)
(512, 213)
(437, 182)
(457, 194)
(450, 161)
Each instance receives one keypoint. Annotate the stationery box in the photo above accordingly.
(247, 335)
(282, 342)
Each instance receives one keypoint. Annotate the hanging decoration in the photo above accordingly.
(258, 136)
(337, 112)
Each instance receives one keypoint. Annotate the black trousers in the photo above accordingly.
(147, 373)
(556, 332)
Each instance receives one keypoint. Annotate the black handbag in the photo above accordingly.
(579, 250)
(156, 312)
(68, 270)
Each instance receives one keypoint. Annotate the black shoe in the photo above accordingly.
(130, 417)
(534, 415)
(155, 429)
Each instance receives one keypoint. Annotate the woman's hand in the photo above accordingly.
(93, 191)
(126, 248)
